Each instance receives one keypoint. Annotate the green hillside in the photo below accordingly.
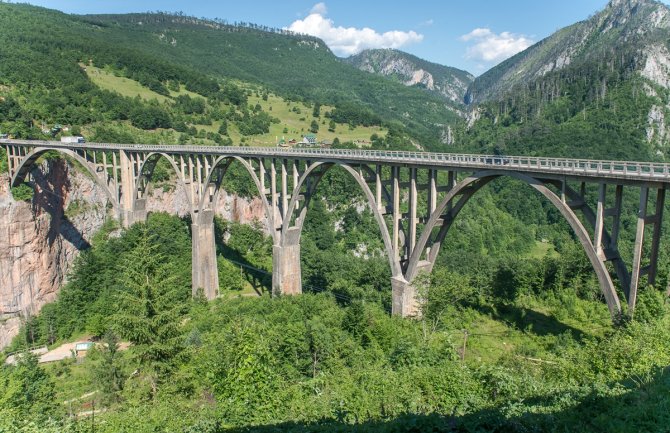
(543, 360)
(44, 82)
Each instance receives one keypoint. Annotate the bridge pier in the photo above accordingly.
(286, 273)
(205, 273)
(404, 298)
(136, 214)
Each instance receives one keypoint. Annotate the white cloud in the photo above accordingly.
(491, 47)
(345, 41)
(428, 23)
(319, 9)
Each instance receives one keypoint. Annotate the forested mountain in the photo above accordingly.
(627, 36)
(44, 53)
(596, 89)
(450, 83)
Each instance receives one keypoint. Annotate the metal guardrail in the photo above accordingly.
(566, 166)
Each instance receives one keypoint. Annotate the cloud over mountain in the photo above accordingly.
(345, 41)
(491, 47)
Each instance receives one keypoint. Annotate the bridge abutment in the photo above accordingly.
(205, 273)
(286, 272)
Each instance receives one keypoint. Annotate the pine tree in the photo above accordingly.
(150, 309)
(108, 374)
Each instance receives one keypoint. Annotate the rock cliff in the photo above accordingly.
(41, 238)
(450, 83)
(625, 34)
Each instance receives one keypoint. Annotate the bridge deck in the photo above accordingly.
(630, 171)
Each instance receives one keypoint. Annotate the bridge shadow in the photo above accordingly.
(528, 320)
(260, 280)
(51, 188)
(642, 408)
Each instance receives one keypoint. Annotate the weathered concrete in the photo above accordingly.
(286, 271)
(405, 301)
(204, 268)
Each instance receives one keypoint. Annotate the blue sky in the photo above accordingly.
(472, 35)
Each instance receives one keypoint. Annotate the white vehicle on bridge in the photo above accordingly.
(75, 139)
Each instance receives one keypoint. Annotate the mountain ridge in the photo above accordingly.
(621, 23)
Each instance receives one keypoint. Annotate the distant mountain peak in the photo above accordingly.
(450, 83)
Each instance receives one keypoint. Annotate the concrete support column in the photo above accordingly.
(205, 274)
(405, 301)
(127, 188)
(286, 273)
(138, 214)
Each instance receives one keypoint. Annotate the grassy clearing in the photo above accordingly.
(105, 79)
(541, 250)
(295, 118)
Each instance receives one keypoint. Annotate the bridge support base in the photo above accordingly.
(405, 301)
(286, 275)
(139, 214)
(205, 273)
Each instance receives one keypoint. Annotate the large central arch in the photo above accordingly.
(464, 191)
(424, 253)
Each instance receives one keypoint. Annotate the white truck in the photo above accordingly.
(74, 139)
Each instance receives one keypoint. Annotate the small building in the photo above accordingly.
(292, 141)
(81, 348)
(4, 136)
(309, 140)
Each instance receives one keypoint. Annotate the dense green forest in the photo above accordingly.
(536, 359)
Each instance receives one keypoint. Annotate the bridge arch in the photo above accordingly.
(144, 179)
(29, 160)
(215, 177)
(465, 189)
(314, 173)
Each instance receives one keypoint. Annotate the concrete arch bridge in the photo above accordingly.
(415, 198)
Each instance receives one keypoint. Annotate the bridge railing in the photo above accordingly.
(657, 171)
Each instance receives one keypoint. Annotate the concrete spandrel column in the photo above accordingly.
(404, 298)
(286, 273)
(205, 274)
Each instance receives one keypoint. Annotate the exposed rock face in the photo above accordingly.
(449, 83)
(230, 207)
(39, 240)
